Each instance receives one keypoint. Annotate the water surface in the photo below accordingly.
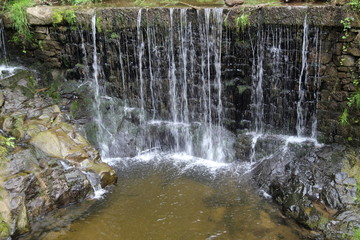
(165, 201)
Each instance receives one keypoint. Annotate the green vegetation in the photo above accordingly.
(61, 15)
(355, 5)
(114, 35)
(98, 24)
(4, 229)
(5, 145)
(354, 100)
(17, 13)
(353, 103)
(242, 22)
(346, 26)
(356, 234)
(53, 91)
(9, 142)
(29, 90)
(74, 107)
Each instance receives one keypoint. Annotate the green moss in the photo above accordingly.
(114, 35)
(64, 15)
(356, 234)
(242, 21)
(4, 229)
(53, 91)
(242, 89)
(74, 107)
(99, 24)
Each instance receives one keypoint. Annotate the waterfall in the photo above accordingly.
(95, 77)
(316, 82)
(140, 55)
(277, 109)
(257, 88)
(303, 80)
(163, 86)
(3, 53)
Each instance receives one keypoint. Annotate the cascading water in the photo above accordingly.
(274, 100)
(2, 43)
(303, 80)
(172, 85)
(181, 101)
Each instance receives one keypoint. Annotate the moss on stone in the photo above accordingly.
(4, 229)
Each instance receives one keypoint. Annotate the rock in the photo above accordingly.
(312, 185)
(107, 174)
(354, 50)
(39, 15)
(346, 61)
(233, 3)
(2, 99)
(33, 181)
(58, 144)
(22, 223)
(23, 161)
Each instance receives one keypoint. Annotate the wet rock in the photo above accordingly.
(2, 99)
(233, 3)
(33, 181)
(313, 185)
(107, 175)
(243, 147)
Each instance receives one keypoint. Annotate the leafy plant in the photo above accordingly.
(53, 91)
(241, 22)
(9, 142)
(355, 5)
(17, 13)
(346, 26)
(353, 102)
(74, 107)
(114, 35)
(67, 15)
(5, 144)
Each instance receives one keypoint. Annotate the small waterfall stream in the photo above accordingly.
(2, 43)
(277, 109)
(303, 80)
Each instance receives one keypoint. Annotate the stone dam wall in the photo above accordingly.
(58, 48)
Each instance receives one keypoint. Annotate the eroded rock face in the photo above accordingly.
(317, 186)
(46, 169)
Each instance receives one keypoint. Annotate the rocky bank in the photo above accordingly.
(44, 159)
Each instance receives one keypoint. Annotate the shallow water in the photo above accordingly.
(162, 201)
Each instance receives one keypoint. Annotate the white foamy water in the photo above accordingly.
(6, 71)
(183, 162)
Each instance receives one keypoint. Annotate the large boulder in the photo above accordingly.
(39, 15)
